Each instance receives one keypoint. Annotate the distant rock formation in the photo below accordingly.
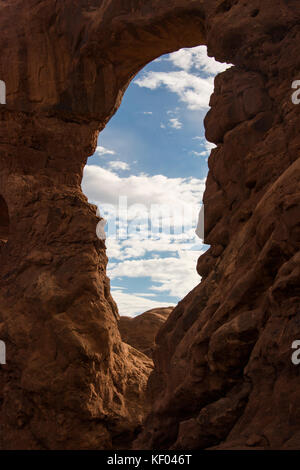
(140, 331)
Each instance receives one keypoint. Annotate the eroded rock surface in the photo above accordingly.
(223, 374)
(140, 331)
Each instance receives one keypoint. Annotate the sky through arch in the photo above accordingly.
(150, 168)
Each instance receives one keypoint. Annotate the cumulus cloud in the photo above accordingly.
(164, 249)
(191, 89)
(199, 154)
(193, 83)
(104, 151)
(145, 208)
(137, 247)
(118, 165)
(175, 123)
(175, 276)
(208, 146)
(105, 186)
(197, 58)
(173, 111)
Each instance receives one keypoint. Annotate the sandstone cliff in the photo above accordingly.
(223, 374)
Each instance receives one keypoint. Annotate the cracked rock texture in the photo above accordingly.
(223, 375)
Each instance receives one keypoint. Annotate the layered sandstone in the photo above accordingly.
(223, 374)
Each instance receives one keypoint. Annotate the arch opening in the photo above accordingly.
(147, 178)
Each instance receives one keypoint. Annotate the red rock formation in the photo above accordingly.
(140, 332)
(223, 374)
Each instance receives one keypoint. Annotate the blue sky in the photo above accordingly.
(153, 155)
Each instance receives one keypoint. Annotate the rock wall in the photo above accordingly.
(223, 374)
(67, 370)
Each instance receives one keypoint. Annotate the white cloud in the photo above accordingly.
(104, 151)
(173, 111)
(191, 89)
(114, 248)
(134, 304)
(193, 83)
(104, 186)
(136, 247)
(197, 58)
(175, 123)
(208, 146)
(141, 253)
(160, 214)
(118, 165)
(175, 276)
(149, 113)
(143, 294)
(199, 154)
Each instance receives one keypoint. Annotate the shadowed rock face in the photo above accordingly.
(140, 332)
(223, 374)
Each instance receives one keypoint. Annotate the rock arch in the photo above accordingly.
(69, 381)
